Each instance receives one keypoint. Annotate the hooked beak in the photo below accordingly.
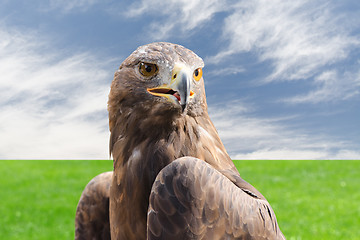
(178, 91)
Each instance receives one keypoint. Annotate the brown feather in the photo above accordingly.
(226, 211)
(92, 213)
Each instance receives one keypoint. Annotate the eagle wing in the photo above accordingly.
(192, 200)
(92, 213)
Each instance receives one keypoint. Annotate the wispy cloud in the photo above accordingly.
(296, 37)
(330, 86)
(250, 137)
(52, 106)
(172, 15)
(232, 70)
(301, 40)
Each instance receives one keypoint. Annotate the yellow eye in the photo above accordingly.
(148, 69)
(198, 74)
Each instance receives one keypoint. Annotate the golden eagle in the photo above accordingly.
(172, 178)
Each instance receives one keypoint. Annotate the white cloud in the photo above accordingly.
(282, 154)
(232, 70)
(52, 106)
(331, 87)
(296, 154)
(176, 16)
(247, 137)
(297, 37)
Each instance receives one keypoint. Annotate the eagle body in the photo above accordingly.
(140, 166)
(157, 116)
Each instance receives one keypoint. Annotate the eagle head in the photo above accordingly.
(159, 79)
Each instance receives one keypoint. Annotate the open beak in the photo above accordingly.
(178, 91)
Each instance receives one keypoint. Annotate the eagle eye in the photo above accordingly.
(197, 74)
(148, 69)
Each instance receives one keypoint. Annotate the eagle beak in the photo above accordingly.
(178, 90)
(182, 81)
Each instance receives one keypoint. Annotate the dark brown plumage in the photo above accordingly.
(92, 213)
(192, 200)
(157, 114)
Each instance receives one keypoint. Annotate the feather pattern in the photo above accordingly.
(192, 200)
(92, 213)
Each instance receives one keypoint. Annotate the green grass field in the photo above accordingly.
(312, 199)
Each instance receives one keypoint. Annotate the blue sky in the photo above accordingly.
(282, 77)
